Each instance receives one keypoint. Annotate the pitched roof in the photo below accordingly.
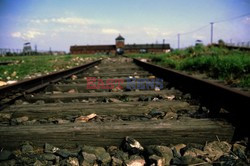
(92, 47)
(120, 38)
(147, 46)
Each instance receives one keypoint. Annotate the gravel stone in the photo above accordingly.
(22, 119)
(88, 159)
(216, 149)
(194, 153)
(135, 161)
(8, 163)
(239, 150)
(99, 152)
(161, 151)
(156, 113)
(27, 148)
(5, 117)
(73, 161)
(131, 146)
(171, 116)
(50, 148)
(64, 153)
(5, 155)
(186, 160)
(156, 160)
(116, 161)
(49, 156)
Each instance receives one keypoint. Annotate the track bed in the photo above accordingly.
(65, 113)
(154, 116)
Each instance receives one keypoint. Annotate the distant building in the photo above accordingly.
(57, 52)
(144, 48)
(27, 48)
(120, 44)
(92, 49)
(198, 42)
(119, 48)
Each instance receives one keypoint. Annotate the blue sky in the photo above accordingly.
(61, 23)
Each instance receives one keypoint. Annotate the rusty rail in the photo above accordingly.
(12, 92)
(212, 95)
(6, 63)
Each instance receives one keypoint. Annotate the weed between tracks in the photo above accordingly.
(231, 66)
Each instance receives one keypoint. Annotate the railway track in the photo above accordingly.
(63, 110)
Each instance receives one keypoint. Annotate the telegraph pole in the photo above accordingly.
(212, 32)
(178, 36)
(50, 51)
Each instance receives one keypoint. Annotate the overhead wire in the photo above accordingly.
(233, 18)
(211, 23)
(198, 29)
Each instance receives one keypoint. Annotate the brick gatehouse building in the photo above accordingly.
(119, 47)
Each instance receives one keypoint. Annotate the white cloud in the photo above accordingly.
(246, 20)
(65, 20)
(30, 34)
(36, 21)
(16, 34)
(200, 37)
(167, 33)
(152, 32)
(110, 31)
(156, 32)
(70, 20)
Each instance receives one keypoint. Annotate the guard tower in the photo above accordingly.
(120, 43)
(27, 48)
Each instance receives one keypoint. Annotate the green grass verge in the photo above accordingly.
(26, 66)
(232, 66)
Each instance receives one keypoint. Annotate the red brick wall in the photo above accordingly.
(119, 44)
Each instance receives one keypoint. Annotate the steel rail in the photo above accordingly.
(9, 93)
(212, 95)
(242, 48)
(5, 63)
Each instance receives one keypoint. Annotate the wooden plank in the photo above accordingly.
(104, 134)
(118, 65)
(71, 96)
(111, 72)
(84, 80)
(112, 75)
(77, 109)
(118, 68)
(82, 87)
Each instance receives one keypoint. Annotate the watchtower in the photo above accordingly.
(120, 42)
(27, 48)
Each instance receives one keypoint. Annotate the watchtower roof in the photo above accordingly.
(120, 38)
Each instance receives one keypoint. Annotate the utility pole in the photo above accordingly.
(178, 36)
(50, 51)
(212, 32)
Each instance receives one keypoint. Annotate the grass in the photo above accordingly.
(231, 66)
(29, 66)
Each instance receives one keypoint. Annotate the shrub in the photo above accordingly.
(217, 62)
(221, 43)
